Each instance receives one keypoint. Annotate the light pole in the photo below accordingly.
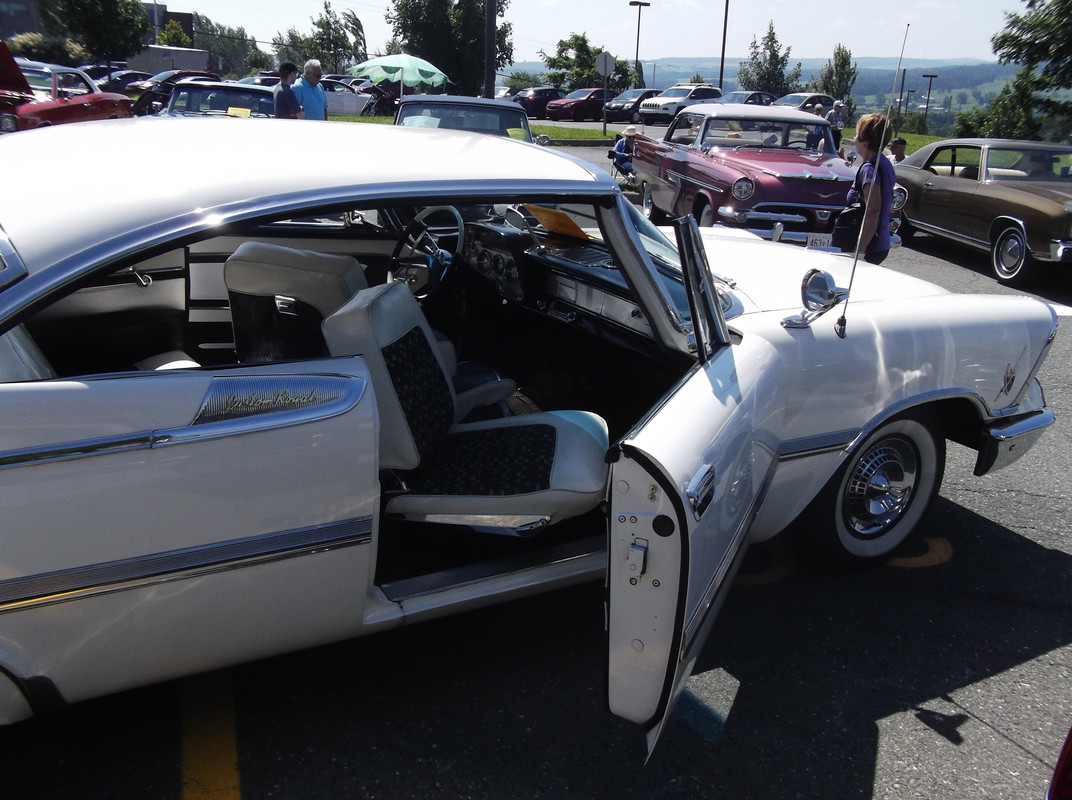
(640, 6)
(722, 61)
(926, 108)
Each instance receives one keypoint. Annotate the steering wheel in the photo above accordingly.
(418, 260)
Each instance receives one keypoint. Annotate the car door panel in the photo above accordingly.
(189, 518)
(684, 491)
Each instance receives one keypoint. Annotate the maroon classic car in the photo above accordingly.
(33, 95)
(772, 170)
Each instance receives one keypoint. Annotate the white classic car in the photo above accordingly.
(279, 400)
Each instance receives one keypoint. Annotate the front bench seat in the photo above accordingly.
(511, 475)
(280, 296)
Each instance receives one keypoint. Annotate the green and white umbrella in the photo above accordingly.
(402, 69)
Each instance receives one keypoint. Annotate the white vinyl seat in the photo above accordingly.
(511, 475)
(279, 296)
(21, 359)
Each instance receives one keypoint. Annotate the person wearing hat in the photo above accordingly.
(623, 153)
(837, 122)
(815, 132)
(897, 147)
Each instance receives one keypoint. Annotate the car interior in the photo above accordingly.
(489, 331)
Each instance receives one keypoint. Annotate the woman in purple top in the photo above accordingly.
(872, 134)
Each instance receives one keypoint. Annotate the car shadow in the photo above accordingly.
(509, 701)
(1050, 282)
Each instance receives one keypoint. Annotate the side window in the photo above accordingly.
(951, 162)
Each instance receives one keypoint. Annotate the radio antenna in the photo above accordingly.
(839, 326)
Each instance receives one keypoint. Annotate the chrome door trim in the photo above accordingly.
(108, 577)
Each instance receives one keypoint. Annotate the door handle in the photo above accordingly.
(701, 489)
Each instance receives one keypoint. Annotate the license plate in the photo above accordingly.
(819, 239)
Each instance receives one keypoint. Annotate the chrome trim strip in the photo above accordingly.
(233, 404)
(124, 574)
(815, 445)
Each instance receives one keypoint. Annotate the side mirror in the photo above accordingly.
(850, 157)
(543, 140)
(819, 294)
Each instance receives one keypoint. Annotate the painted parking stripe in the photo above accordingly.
(939, 551)
(209, 752)
(1062, 311)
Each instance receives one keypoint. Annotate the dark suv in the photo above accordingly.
(535, 100)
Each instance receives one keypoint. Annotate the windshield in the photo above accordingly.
(510, 122)
(632, 94)
(214, 100)
(1020, 164)
(675, 93)
(580, 94)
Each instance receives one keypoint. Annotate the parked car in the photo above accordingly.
(748, 98)
(503, 92)
(773, 171)
(535, 100)
(579, 105)
(626, 106)
(267, 78)
(204, 98)
(35, 95)
(1010, 198)
(453, 112)
(121, 79)
(153, 93)
(805, 101)
(99, 71)
(664, 107)
(274, 403)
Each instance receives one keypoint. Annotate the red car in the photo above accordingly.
(33, 95)
(580, 104)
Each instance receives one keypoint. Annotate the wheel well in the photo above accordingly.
(958, 420)
(1001, 223)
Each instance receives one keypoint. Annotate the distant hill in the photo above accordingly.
(876, 75)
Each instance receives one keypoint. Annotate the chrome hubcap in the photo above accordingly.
(881, 487)
(1010, 253)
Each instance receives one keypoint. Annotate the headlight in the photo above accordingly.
(743, 188)
(900, 197)
(9, 123)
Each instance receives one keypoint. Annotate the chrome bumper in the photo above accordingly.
(1060, 250)
(1004, 442)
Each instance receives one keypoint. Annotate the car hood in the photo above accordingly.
(768, 275)
(11, 77)
(785, 163)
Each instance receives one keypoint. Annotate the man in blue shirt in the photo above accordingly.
(309, 91)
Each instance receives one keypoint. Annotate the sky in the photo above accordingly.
(936, 29)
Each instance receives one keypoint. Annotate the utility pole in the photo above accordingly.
(722, 61)
(926, 108)
(640, 6)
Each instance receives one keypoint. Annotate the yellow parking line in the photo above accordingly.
(209, 752)
(939, 551)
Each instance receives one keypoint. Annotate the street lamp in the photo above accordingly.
(640, 6)
(722, 61)
(926, 108)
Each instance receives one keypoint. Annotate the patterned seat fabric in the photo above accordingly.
(510, 473)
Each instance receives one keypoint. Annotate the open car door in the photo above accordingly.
(684, 489)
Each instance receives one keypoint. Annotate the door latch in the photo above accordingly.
(637, 559)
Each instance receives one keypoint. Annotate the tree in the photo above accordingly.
(1010, 115)
(173, 35)
(573, 66)
(765, 68)
(523, 80)
(51, 49)
(332, 43)
(229, 50)
(110, 30)
(450, 34)
(1040, 41)
(697, 78)
(836, 78)
(292, 46)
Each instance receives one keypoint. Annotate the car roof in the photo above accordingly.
(752, 111)
(240, 175)
(458, 99)
(981, 142)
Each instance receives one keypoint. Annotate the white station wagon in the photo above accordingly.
(274, 400)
